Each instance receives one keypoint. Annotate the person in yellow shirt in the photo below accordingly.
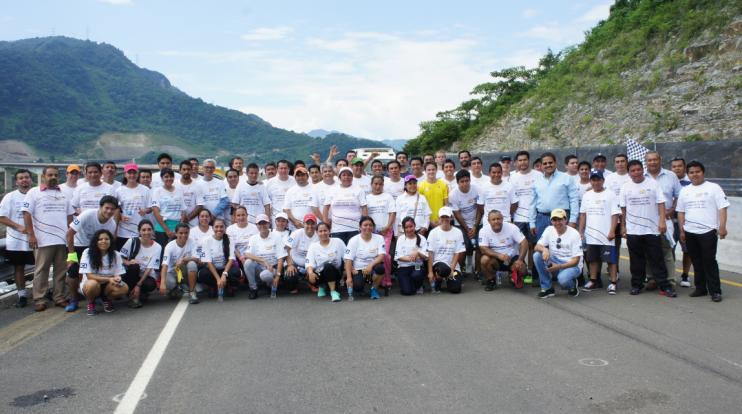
(434, 190)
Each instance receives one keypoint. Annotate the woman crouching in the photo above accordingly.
(101, 268)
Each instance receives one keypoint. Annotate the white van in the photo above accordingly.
(385, 154)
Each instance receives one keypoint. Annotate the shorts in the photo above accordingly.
(525, 228)
(601, 253)
(19, 258)
(470, 244)
(506, 267)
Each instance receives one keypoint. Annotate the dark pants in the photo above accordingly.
(359, 279)
(444, 271)
(120, 242)
(329, 273)
(132, 276)
(345, 236)
(409, 279)
(702, 250)
(645, 249)
(205, 276)
(73, 272)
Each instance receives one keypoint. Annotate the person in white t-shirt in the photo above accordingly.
(497, 194)
(449, 175)
(702, 218)
(73, 175)
(181, 257)
(300, 200)
(477, 175)
(164, 162)
(344, 206)
(394, 183)
(240, 232)
(558, 251)
(583, 179)
(613, 183)
(17, 251)
(252, 195)
(297, 246)
(643, 207)
(324, 187)
(364, 257)
(360, 179)
(277, 186)
(445, 249)
(503, 248)
(87, 195)
(218, 270)
(599, 214)
(232, 179)
(142, 260)
(468, 213)
(264, 258)
(203, 229)
(410, 253)
(193, 196)
(412, 204)
(383, 209)
(109, 175)
(134, 205)
(102, 270)
(168, 207)
(213, 190)
(523, 181)
(324, 262)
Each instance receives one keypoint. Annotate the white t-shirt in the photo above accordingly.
(582, 189)
(197, 235)
(253, 197)
(318, 255)
(497, 197)
(379, 208)
(506, 241)
(49, 210)
(87, 197)
(299, 200)
(299, 244)
(598, 209)
(641, 200)
(465, 203)
(321, 190)
(147, 257)
(614, 182)
(562, 246)
(364, 182)
(213, 191)
(131, 200)
(406, 247)
(406, 208)
(240, 236)
(192, 197)
(11, 208)
(276, 189)
(345, 207)
(270, 249)
(86, 224)
(394, 189)
(170, 203)
(445, 245)
(173, 253)
(67, 190)
(452, 184)
(107, 268)
(701, 205)
(363, 252)
(483, 179)
(523, 185)
(212, 251)
(157, 180)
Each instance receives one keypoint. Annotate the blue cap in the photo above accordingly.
(596, 174)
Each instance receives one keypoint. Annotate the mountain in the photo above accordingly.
(654, 71)
(396, 144)
(320, 133)
(73, 99)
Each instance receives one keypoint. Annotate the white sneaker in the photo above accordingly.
(612, 289)
(588, 286)
(685, 283)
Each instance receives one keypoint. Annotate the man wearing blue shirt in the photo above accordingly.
(552, 191)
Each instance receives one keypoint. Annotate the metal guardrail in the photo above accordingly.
(732, 186)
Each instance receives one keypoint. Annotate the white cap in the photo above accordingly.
(445, 211)
(262, 218)
(283, 216)
(345, 169)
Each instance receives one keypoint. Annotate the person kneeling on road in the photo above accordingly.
(141, 259)
(501, 246)
(558, 251)
(364, 259)
(217, 269)
(101, 268)
(297, 247)
(324, 262)
(445, 250)
(180, 257)
(264, 253)
(410, 254)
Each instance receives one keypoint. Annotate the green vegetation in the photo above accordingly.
(635, 33)
(60, 94)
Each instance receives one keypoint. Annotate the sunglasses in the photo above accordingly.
(559, 243)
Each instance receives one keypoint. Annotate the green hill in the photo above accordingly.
(655, 70)
(61, 96)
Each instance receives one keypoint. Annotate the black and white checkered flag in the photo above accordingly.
(636, 151)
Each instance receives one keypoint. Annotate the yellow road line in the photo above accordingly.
(724, 281)
(21, 331)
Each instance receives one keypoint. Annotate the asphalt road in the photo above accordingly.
(502, 351)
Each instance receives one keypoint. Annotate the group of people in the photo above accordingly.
(353, 226)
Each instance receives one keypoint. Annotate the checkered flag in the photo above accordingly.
(635, 150)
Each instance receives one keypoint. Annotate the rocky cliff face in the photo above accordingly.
(689, 94)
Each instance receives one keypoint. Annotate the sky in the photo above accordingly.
(369, 69)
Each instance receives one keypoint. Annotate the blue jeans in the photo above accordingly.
(542, 222)
(566, 277)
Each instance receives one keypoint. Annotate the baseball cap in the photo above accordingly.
(73, 167)
(558, 213)
(356, 160)
(345, 169)
(445, 212)
(310, 216)
(505, 158)
(282, 215)
(298, 170)
(131, 166)
(599, 156)
(410, 178)
(262, 218)
(596, 174)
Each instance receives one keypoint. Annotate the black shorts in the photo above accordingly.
(601, 253)
(470, 244)
(525, 228)
(17, 258)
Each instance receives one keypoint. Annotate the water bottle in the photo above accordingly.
(221, 294)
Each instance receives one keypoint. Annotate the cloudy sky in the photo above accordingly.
(371, 69)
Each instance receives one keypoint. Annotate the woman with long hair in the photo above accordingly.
(325, 262)
(217, 268)
(410, 254)
(102, 269)
(168, 207)
(142, 260)
(203, 229)
(364, 259)
(382, 208)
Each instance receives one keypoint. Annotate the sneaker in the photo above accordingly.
(135, 303)
(651, 285)
(589, 286)
(252, 294)
(274, 293)
(716, 297)
(193, 300)
(72, 306)
(490, 286)
(108, 306)
(612, 289)
(517, 280)
(335, 296)
(174, 293)
(313, 288)
(684, 282)
(668, 291)
(635, 291)
(698, 293)
(22, 302)
(436, 287)
(321, 292)
(420, 290)
(574, 292)
(91, 308)
(375, 294)
(528, 279)
(546, 293)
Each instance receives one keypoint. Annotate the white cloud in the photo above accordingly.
(529, 13)
(118, 2)
(554, 32)
(267, 33)
(596, 14)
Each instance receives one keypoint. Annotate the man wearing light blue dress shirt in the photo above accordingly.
(554, 190)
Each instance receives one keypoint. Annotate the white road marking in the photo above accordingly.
(136, 389)
(593, 362)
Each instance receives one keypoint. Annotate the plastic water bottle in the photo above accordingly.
(221, 294)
